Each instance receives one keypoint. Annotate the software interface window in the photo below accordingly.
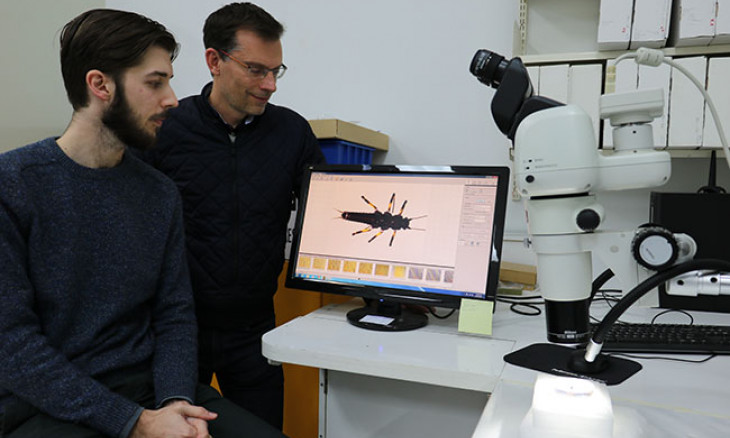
(416, 232)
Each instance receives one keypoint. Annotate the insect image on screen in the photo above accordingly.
(382, 221)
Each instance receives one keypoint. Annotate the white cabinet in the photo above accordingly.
(564, 33)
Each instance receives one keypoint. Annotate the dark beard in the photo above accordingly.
(120, 120)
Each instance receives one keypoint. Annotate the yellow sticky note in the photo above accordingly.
(475, 316)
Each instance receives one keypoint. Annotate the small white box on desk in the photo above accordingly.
(614, 25)
(650, 27)
(722, 23)
(687, 105)
(693, 23)
(718, 87)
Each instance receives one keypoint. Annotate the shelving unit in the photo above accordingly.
(581, 57)
(558, 26)
(564, 32)
(695, 153)
(559, 31)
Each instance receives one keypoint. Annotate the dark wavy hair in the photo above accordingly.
(219, 31)
(110, 41)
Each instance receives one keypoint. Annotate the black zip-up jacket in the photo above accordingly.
(237, 188)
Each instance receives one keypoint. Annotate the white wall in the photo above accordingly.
(398, 66)
(33, 104)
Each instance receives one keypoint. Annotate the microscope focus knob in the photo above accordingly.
(588, 219)
(655, 248)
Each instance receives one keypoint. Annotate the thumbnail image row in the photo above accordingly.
(376, 269)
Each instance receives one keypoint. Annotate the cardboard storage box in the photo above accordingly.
(340, 130)
(518, 273)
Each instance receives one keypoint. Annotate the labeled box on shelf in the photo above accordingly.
(718, 88)
(614, 26)
(722, 23)
(693, 22)
(650, 26)
(685, 100)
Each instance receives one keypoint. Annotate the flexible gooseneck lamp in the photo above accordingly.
(562, 404)
(590, 360)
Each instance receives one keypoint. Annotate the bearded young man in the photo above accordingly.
(97, 320)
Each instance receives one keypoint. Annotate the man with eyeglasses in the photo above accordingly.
(238, 162)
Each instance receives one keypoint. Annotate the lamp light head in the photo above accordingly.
(580, 364)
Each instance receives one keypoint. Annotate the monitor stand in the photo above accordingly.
(387, 316)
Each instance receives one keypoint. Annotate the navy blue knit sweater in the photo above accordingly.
(93, 281)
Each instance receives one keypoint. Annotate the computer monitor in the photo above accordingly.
(398, 235)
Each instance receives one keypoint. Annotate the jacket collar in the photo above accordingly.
(212, 112)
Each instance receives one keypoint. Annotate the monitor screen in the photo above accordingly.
(398, 235)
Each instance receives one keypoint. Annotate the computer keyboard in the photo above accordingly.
(667, 338)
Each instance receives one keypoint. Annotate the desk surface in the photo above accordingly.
(435, 354)
(674, 399)
(687, 397)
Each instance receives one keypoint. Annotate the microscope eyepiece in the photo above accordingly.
(488, 67)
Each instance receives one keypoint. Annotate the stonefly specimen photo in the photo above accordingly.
(382, 221)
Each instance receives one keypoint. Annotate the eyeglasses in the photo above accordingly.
(258, 71)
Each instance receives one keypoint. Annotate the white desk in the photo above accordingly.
(673, 399)
(430, 382)
(435, 382)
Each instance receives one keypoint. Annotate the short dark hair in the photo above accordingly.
(108, 40)
(219, 31)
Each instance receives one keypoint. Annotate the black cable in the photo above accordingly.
(596, 286)
(533, 309)
(437, 316)
(600, 281)
(608, 299)
(689, 315)
(518, 302)
(506, 298)
(712, 186)
(674, 359)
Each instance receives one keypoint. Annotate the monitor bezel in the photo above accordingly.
(393, 294)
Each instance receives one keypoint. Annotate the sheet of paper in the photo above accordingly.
(374, 319)
(475, 316)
